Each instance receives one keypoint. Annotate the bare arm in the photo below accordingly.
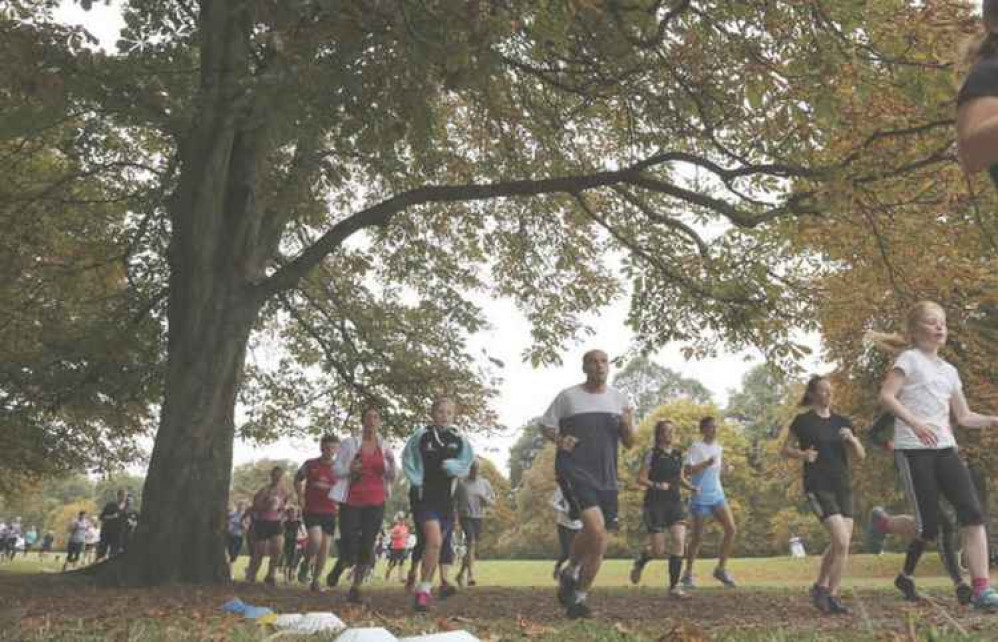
(966, 417)
(977, 134)
(853, 444)
(792, 452)
(643, 480)
(299, 485)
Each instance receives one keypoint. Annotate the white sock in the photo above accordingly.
(580, 596)
(576, 572)
(424, 587)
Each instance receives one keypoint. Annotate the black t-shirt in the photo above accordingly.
(112, 518)
(437, 445)
(663, 466)
(981, 82)
(830, 470)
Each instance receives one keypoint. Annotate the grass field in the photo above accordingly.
(514, 601)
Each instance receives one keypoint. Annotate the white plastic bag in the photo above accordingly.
(450, 636)
(372, 634)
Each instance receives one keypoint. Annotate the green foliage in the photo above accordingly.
(650, 385)
(764, 404)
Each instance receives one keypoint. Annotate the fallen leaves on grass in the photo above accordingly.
(685, 632)
(531, 629)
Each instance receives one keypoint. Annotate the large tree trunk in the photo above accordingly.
(216, 254)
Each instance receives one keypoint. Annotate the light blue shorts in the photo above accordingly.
(702, 509)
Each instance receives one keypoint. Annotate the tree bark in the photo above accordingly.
(214, 259)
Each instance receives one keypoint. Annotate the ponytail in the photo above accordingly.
(895, 343)
(888, 342)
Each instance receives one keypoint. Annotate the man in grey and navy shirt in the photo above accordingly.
(587, 422)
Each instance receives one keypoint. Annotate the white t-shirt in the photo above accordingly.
(929, 385)
(708, 479)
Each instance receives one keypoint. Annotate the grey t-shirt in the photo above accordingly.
(594, 420)
(473, 497)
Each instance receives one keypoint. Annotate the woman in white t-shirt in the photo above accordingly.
(924, 391)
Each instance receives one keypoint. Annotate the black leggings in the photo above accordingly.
(359, 527)
(925, 474)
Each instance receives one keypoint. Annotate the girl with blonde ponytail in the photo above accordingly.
(977, 111)
(923, 391)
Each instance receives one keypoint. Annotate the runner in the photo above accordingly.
(289, 556)
(433, 459)
(236, 529)
(881, 524)
(977, 102)
(46, 546)
(397, 547)
(704, 461)
(90, 544)
(823, 438)
(313, 483)
(77, 539)
(112, 525)
(661, 475)
(568, 528)
(365, 470)
(923, 391)
(587, 422)
(474, 495)
(268, 513)
(30, 538)
(13, 535)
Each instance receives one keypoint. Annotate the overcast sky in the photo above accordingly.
(526, 392)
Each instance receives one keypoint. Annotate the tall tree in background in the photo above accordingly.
(650, 385)
(335, 178)
(760, 405)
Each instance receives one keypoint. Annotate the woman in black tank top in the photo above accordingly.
(661, 476)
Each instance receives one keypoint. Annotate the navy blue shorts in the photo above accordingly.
(581, 496)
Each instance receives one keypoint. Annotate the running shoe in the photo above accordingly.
(303, 572)
(907, 587)
(964, 594)
(874, 535)
(472, 582)
(688, 581)
(353, 596)
(334, 575)
(315, 587)
(270, 580)
(421, 602)
(578, 610)
(566, 587)
(819, 598)
(986, 600)
(677, 593)
(636, 572)
(447, 590)
(722, 576)
(836, 607)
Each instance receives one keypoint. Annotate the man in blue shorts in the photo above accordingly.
(587, 422)
(704, 461)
